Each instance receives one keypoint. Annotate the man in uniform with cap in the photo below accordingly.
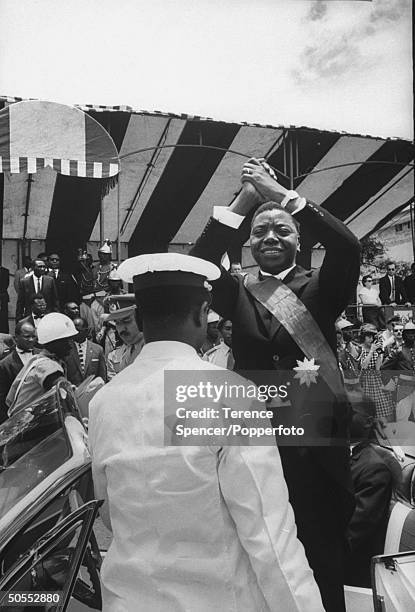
(45, 368)
(205, 527)
(212, 333)
(102, 270)
(123, 314)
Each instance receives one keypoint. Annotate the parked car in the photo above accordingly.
(48, 552)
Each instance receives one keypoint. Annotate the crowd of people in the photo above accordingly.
(249, 527)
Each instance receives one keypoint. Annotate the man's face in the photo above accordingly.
(274, 241)
(115, 286)
(39, 268)
(127, 329)
(104, 258)
(72, 310)
(212, 330)
(61, 348)
(227, 332)
(236, 268)
(391, 270)
(82, 329)
(54, 261)
(26, 340)
(39, 307)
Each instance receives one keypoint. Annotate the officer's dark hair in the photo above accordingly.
(274, 206)
(169, 305)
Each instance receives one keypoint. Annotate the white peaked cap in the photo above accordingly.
(156, 269)
(212, 317)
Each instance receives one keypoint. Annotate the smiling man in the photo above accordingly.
(285, 315)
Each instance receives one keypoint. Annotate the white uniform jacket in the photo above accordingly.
(195, 528)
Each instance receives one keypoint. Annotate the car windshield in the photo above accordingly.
(33, 443)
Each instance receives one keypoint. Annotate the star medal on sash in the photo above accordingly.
(307, 371)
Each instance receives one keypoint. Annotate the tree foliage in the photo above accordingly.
(372, 249)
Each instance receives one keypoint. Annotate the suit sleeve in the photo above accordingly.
(20, 303)
(339, 272)
(54, 294)
(384, 291)
(213, 243)
(4, 389)
(254, 490)
(373, 492)
(102, 368)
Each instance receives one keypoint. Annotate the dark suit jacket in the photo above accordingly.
(94, 364)
(10, 366)
(385, 289)
(66, 287)
(409, 284)
(373, 479)
(318, 478)
(27, 291)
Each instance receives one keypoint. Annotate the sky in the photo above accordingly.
(337, 64)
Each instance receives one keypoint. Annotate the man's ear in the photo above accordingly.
(201, 316)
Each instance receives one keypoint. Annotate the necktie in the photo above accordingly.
(81, 357)
(393, 288)
(39, 286)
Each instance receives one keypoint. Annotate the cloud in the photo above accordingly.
(317, 11)
(341, 48)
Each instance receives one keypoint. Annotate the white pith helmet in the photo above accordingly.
(55, 326)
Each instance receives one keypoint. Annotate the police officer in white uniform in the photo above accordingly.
(195, 528)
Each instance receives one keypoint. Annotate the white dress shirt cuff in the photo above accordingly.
(227, 217)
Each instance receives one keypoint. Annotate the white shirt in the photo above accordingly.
(83, 349)
(195, 528)
(369, 296)
(25, 356)
(38, 283)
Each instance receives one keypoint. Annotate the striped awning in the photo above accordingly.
(37, 134)
(174, 168)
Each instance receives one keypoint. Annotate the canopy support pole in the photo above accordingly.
(101, 222)
(119, 217)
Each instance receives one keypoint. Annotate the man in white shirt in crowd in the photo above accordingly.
(38, 310)
(203, 528)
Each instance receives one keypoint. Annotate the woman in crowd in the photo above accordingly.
(368, 298)
(370, 362)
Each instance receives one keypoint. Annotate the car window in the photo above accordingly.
(51, 564)
(33, 443)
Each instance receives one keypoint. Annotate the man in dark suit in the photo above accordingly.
(391, 287)
(409, 283)
(39, 282)
(318, 477)
(86, 358)
(66, 285)
(375, 473)
(38, 309)
(4, 300)
(10, 366)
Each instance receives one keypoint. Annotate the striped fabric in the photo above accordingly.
(175, 167)
(38, 134)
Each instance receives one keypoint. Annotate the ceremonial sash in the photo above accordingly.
(296, 319)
